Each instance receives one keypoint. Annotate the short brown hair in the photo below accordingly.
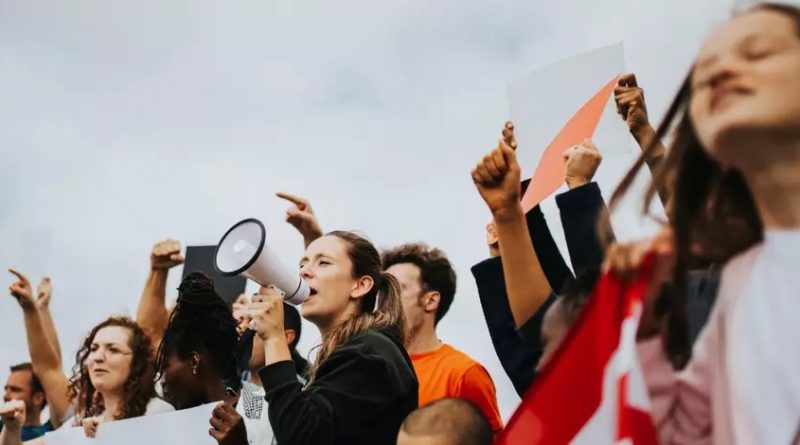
(435, 271)
(36, 384)
(455, 419)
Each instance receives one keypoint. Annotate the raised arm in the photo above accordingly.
(631, 106)
(582, 207)
(44, 292)
(45, 360)
(302, 217)
(152, 315)
(497, 179)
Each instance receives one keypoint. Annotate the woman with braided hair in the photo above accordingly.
(197, 356)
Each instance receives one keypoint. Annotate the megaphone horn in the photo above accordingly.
(243, 250)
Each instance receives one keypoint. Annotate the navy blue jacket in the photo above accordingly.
(519, 351)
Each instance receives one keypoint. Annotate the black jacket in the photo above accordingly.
(361, 395)
(519, 351)
(580, 208)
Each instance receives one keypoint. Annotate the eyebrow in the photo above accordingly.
(318, 255)
(107, 344)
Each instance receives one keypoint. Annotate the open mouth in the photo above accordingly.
(312, 292)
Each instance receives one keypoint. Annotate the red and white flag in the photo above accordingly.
(592, 391)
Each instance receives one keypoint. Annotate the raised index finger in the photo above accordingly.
(19, 275)
(296, 200)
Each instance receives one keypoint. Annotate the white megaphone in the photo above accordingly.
(243, 251)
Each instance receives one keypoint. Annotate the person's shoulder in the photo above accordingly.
(736, 273)
(156, 406)
(458, 359)
(373, 345)
(375, 339)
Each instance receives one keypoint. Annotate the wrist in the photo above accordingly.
(508, 213)
(14, 430)
(311, 237)
(573, 183)
(158, 271)
(643, 132)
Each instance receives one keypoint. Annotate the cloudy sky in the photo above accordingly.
(125, 123)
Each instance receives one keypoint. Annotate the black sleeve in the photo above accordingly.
(518, 354)
(351, 390)
(553, 265)
(580, 210)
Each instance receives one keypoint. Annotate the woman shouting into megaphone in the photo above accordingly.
(362, 385)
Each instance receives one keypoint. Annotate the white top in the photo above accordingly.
(154, 406)
(157, 406)
(764, 341)
(253, 409)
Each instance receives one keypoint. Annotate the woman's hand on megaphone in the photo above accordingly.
(166, 255)
(302, 217)
(266, 313)
(239, 309)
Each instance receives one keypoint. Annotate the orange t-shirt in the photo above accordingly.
(448, 372)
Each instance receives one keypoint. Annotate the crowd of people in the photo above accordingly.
(714, 339)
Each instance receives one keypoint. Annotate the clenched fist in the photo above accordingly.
(166, 255)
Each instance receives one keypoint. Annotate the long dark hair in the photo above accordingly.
(203, 323)
(380, 307)
(139, 387)
(711, 212)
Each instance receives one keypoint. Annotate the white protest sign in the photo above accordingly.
(543, 102)
(184, 427)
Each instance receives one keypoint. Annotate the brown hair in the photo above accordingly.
(455, 420)
(139, 387)
(380, 307)
(712, 212)
(435, 271)
(36, 384)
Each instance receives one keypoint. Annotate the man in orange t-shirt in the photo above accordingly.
(428, 285)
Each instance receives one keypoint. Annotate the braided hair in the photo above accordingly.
(202, 322)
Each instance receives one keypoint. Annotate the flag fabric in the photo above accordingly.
(592, 391)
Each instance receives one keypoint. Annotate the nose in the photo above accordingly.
(725, 68)
(722, 76)
(97, 356)
(305, 272)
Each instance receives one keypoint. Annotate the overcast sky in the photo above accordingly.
(125, 123)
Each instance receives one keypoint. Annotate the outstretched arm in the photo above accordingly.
(45, 360)
(302, 217)
(497, 179)
(152, 315)
(44, 292)
(631, 106)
